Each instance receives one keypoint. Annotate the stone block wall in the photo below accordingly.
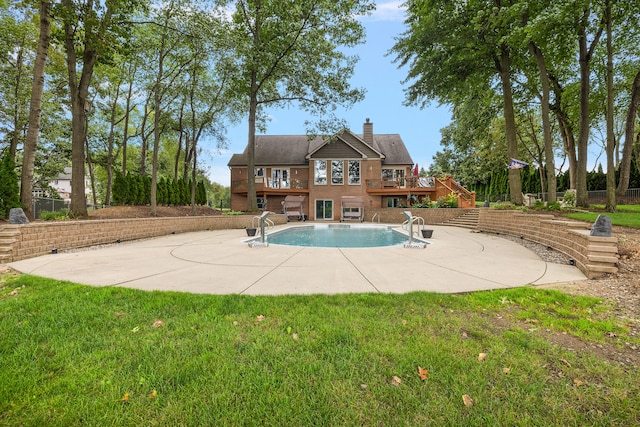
(594, 256)
(40, 238)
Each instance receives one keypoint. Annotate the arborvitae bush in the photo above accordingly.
(9, 189)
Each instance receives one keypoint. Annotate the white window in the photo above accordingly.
(259, 175)
(320, 172)
(354, 172)
(337, 172)
(394, 177)
(279, 178)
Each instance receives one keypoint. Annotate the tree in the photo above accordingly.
(454, 52)
(91, 30)
(33, 130)
(9, 191)
(287, 52)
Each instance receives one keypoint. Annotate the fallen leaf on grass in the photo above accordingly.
(158, 323)
(294, 336)
(363, 386)
(136, 329)
(125, 398)
(611, 334)
(404, 322)
(566, 362)
(482, 356)
(153, 394)
(577, 382)
(260, 318)
(423, 373)
(467, 400)
(396, 380)
(506, 371)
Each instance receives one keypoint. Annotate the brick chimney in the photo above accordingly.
(367, 132)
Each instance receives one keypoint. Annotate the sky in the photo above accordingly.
(383, 103)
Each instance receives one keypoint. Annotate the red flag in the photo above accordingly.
(415, 170)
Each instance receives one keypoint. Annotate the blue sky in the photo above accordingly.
(383, 104)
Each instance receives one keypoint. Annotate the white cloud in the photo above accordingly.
(388, 11)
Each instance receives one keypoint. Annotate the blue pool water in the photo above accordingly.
(338, 236)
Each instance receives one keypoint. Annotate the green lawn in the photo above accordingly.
(78, 355)
(626, 215)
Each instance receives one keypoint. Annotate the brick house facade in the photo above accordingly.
(338, 174)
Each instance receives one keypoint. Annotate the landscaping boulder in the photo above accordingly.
(17, 216)
(602, 227)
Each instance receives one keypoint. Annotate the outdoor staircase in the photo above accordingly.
(7, 239)
(469, 219)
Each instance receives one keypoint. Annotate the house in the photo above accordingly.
(340, 176)
(61, 184)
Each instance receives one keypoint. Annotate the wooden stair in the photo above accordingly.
(469, 219)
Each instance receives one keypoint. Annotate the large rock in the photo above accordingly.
(17, 216)
(602, 227)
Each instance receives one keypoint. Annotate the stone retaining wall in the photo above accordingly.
(594, 256)
(40, 238)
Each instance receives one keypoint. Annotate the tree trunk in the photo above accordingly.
(80, 105)
(15, 135)
(157, 99)
(92, 178)
(125, 133)
(110, 144)
(546, 124)
(629, 136)
(611, 142)
(585, 55)
(194, 185)
(252, 203)
(33, 131)
(145, 139)
(515, 183)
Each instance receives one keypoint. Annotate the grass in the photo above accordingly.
(72, 354)
(626, 215)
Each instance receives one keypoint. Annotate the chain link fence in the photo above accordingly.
(41, 204)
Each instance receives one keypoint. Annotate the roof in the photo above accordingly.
(394, 150)
(296, 150)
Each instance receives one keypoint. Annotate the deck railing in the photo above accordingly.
(410, 182)
(262, 184)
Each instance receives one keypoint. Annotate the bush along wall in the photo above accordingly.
(134, 189)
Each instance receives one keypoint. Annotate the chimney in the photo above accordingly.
(367, 132)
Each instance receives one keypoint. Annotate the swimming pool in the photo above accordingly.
(338, 236)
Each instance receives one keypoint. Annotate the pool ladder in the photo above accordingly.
(264, 223)
(408, 226)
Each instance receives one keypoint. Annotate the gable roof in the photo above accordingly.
(296, 150)
(344, 144)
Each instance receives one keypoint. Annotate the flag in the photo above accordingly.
(415, 170)
(516, 164)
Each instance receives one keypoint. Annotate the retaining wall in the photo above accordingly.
(594, 256)
(40, 238)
